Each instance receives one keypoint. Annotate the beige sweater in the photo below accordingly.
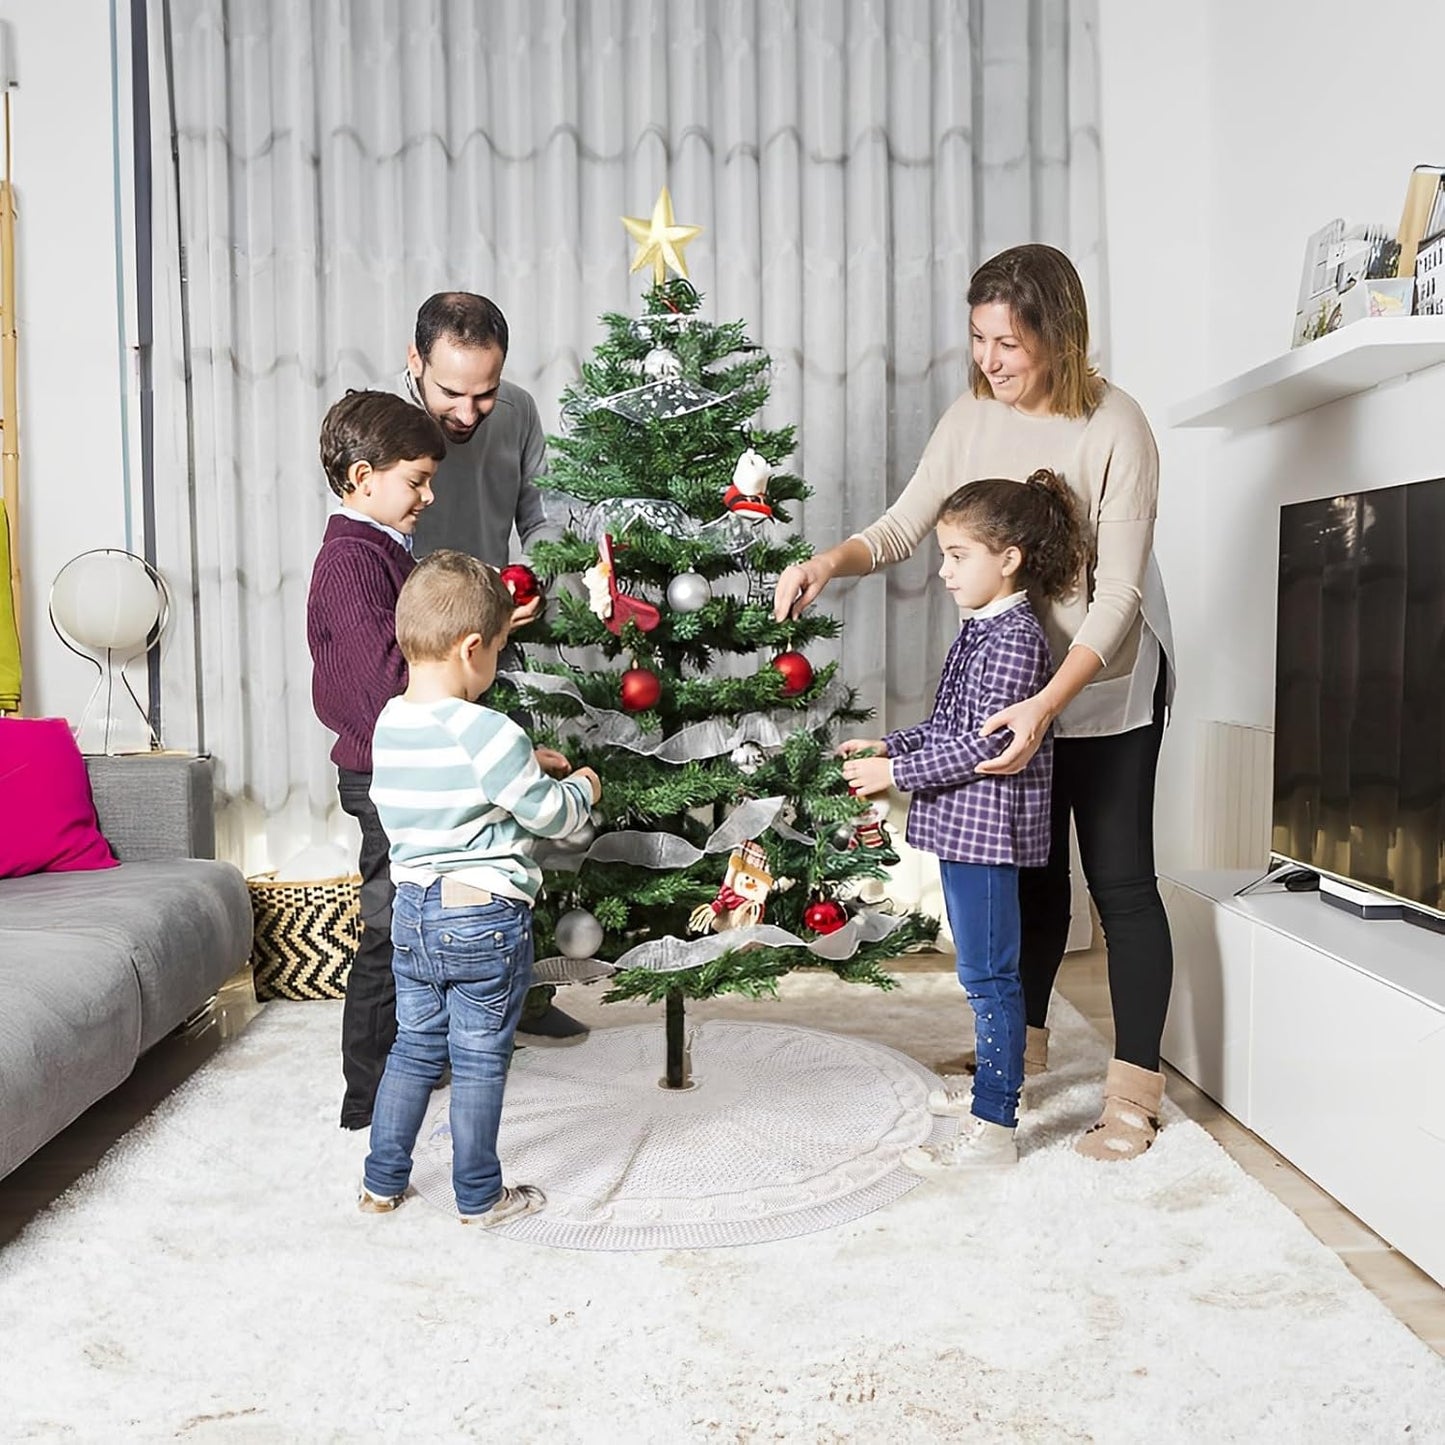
(1110, 461)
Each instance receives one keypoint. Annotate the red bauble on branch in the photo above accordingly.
(522, 582)
(641, 689)
(824, 915)
(796, 672)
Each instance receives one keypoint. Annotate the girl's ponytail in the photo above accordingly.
(1059, 552)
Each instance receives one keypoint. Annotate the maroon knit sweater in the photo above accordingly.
(357, 668)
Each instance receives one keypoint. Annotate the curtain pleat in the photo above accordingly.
(851, 162)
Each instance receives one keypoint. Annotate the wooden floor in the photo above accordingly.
(1407, 1292)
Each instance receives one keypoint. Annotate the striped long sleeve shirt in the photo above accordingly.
(459, 793)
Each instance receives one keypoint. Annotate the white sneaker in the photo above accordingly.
(513, 1202)
(951, 1103)
(956, 1101)
(978, 1145)
(369, 1203)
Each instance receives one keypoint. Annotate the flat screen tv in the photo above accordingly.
(1359, 740)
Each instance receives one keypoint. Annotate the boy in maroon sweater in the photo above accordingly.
(380, 454)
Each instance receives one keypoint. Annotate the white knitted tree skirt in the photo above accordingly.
(787, 1130)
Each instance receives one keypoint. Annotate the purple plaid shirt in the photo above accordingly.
(957, 814)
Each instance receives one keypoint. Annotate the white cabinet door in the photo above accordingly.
(1345, 1083)
(1206, 1036)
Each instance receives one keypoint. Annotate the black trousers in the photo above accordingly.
(368, 1017)
(1107, 785)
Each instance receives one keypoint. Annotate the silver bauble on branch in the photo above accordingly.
(747, 758)
(689, 592)
(841, 837)
(660, 364)
(578, 934)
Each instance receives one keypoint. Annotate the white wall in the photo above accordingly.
(1231, 130)
(71, 453)
(1155, 141)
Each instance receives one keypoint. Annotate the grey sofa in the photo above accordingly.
(95, 967)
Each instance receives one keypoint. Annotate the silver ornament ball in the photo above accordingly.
(661, 364)
(578, 934)
(688, 592)
(841, 836)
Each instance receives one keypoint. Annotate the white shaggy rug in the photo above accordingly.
(213, 1281)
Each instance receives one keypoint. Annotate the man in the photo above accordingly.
(484, 489)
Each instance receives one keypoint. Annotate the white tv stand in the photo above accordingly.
(1325, 1034)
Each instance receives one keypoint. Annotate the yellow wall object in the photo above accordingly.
(9, 626)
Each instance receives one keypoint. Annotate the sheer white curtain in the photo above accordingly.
(851, 162)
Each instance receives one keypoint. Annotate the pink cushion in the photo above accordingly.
(50, 824)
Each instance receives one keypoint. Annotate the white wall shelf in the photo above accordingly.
(1350, 360)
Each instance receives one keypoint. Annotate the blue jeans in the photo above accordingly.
(983, 911)
(461, 976)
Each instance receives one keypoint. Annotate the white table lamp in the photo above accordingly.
(110, 607)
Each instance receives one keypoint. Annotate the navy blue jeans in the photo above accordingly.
(461, 976)
(983, 912)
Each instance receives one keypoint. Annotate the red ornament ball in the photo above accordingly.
(523, 583)
(825, 915)
(640, 689)
(796, 671)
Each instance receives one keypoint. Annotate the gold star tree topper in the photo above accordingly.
(660, 240)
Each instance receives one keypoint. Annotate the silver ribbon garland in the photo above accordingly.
(730, 532)
(672, 955)
(667, 850)
(698, 741)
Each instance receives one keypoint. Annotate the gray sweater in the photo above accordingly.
(487, 486)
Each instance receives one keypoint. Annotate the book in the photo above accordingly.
(1422, 197)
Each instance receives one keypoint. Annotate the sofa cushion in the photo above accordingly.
(70, 1023)
(184, 925)
(45, 789)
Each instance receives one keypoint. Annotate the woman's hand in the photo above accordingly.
(862, 745)
(1028, 720)
(866, 776)
(551, 762)
(526, 613)
(799, 585)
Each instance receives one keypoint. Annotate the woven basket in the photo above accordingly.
(306, 935)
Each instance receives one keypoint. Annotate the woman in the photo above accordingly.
(1035, 402)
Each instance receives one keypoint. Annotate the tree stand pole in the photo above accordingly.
(679, 1071)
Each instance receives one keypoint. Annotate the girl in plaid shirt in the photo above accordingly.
(998, 538)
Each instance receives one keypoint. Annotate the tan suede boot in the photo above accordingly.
(1036, 1055)
(1126, 1128)
(956, 1101)
(1036, 1050)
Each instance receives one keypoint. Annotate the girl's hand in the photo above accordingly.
(798, 587)
(552, 762)
(867, 776)
(862, 745)
(1028, 720)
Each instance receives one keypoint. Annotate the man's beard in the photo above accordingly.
(455, 433)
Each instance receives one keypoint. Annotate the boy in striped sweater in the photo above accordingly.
(462, 795)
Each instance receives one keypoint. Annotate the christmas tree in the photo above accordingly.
(726, 850)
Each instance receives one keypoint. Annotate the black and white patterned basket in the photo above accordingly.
(306, 935)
